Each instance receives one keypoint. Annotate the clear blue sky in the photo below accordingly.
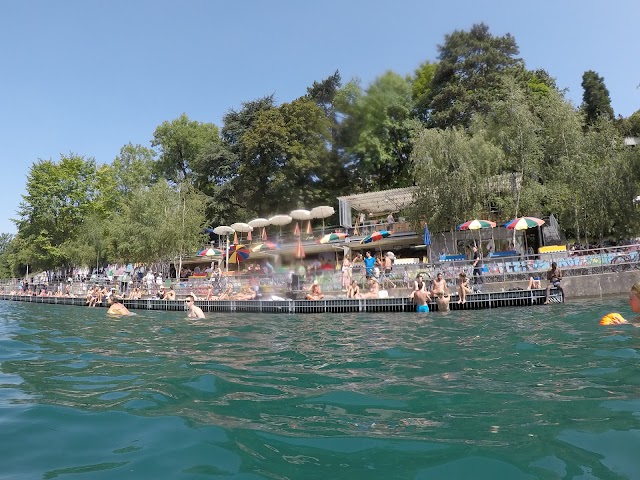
(89, 76)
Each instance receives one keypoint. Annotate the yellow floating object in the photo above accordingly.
(552, 249)
(612, 318)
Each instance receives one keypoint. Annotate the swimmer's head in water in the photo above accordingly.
(612, 318)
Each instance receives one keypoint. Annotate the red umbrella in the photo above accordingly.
(299, 250)
(264, 234)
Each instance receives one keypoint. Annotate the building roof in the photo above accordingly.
(385, 201)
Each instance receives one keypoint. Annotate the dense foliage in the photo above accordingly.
(474, 130)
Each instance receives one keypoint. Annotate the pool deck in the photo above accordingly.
(475, 301)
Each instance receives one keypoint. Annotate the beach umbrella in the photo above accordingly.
(296, 231)
(322, 212)
(300, 214)
(375, 236)
(226, 231)
(524, 223)
(238, 255)
(299, 253)
(235, 239)
(258, 222)
(309, 230)
(263, 237)
(261, 247)
(242, 227)
(333, 237)
(280, 220)
(476, 225)
(210, 252)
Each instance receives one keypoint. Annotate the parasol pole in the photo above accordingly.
(226, 264)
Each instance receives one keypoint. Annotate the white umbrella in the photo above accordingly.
(242, 227)
(259, 222)
(226, 231)
(301, 214)
(322, 212)
(280, 220)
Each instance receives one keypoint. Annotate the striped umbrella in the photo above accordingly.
(261, 247)
(210, 252)
(375, 236)
(239, 254)
(333, 237)
(523, 223)
(476, 225)
(299, 250)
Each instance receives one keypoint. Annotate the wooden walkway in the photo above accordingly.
(475, 301)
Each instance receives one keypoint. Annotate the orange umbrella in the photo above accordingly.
(299, 250)
(296, 231)
(264, 234)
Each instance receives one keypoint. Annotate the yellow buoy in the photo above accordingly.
(612, 318)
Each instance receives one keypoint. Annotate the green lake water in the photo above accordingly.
(511, 393)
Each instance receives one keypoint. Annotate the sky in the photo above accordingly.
(89, 76)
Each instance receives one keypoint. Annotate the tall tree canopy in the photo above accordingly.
(181, 143)
(468, 71)
(596, 102)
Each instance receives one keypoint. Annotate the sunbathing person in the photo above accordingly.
(315, 293)
(245, 294)
(534, 283)
(225, 295)
(374, 289)
(463, 288)
(354, 290)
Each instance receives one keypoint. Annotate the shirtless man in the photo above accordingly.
(192, 310)
(117, 308)
(463, 288)
(170, 295)
(419, 284)
(438, 285)
(442, 300)
(420, 299)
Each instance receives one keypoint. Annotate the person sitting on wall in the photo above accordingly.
(463, 289)
(374, 289)
(554, 276)
(354, 290)
(315, 293)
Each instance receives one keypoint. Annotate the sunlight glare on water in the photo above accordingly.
(514, 393)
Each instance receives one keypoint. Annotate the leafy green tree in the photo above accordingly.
(6, 247)
(133, 168)
(455, 173)
(59, 196)
(162, 222)
(181, 142)
(379, 142)
(596, 102)
(468, 73)
(283, 152)
(421, 89)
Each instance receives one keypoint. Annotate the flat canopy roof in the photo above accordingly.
(385, 201)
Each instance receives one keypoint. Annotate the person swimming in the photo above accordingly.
(615, 318)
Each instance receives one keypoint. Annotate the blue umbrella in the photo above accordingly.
(427, 236)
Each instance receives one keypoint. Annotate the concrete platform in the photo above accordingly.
(475, 301)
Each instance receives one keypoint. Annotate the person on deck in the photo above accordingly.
(315, 293)
(438, 285)
(369, 263)
(354, 290)
(554, 276)
(374, 289)
(477, 266)
(419, 284)
(463, 289)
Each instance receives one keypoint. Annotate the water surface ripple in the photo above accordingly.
(512, 393)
